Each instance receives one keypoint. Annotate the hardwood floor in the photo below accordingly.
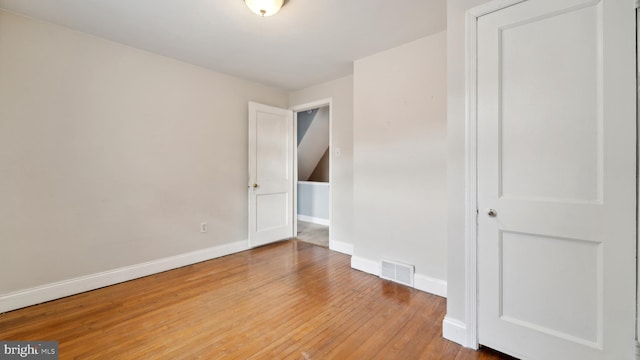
(288, 300)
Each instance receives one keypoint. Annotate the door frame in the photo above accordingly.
(471, 165)
(303, 107)
(637, 179)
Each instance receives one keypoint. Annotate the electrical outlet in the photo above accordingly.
(204, 227)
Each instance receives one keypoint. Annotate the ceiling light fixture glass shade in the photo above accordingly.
(264, 7)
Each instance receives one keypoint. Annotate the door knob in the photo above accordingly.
(492, 213)
(255, 186)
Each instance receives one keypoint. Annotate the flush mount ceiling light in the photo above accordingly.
(264, 7)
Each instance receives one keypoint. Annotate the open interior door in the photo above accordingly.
(270, 174)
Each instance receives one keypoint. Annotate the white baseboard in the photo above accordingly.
(366, 265)
(421, 282)
(56, 290)
(341, 247)
(314, 220)
(430, 285)
(454, 330)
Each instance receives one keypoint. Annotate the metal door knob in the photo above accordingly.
(255, 186)
(492, 213)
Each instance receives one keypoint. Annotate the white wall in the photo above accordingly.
(341, 93)
(112, 156)
(313, 202)
(400, 207)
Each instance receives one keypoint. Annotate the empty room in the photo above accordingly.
(298, 179)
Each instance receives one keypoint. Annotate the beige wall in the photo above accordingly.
(113, 156)
(400, 208)
(341, 93)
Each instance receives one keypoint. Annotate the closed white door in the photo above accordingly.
(556, 179)
(270, 174)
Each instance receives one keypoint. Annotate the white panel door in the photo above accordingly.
(270, 174)
(556, 179)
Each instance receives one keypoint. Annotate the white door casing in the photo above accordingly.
(638, 183)
(556, 161)
(270, 185)
(304, 107)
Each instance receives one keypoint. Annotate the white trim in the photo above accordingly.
(315, 183)
(421, 282)
(637, 182)
(471, 203)
(431, 285)
(294, 221)
(341, 247)
(313, 219)
(56, 290)
(302, 107)
(454, 330)
(311, 105)
(365, 265)
(471, 167)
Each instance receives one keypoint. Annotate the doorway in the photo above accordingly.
(312, 125)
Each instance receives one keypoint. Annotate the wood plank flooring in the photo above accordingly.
(289, 300)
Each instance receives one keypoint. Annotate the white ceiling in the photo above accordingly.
(306, 43)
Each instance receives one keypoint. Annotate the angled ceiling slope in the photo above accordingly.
(306, 43)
